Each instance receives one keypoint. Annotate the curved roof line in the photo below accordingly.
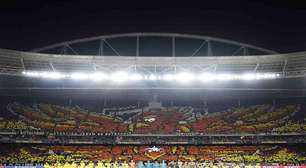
(191, 36)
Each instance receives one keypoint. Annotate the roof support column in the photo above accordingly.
(101, 48)
(245, 51)
(51, 65)
(22, 64)
(256, 67)
(173, 46)
(137, 46)
(209, 49)
(284, 67)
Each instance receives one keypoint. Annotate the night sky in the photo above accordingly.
(275, 25)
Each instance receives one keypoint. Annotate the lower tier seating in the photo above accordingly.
(22, 154)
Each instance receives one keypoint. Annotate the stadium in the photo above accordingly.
(152, 100)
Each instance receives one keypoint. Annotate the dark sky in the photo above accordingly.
(275, 25)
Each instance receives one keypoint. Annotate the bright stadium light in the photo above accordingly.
(226, 77)
(248, 76)
(266, 76)
(153, 77)
(135, 77)
(185, 77)
(206, 77)
(119, 76)
(270, 75)
(32, 74)
(79, 76)
(122, 76)
(168, 77)
(52, 75)
(98, 76)
(46, 74)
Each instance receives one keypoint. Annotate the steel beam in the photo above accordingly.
(190, 36)
(173, 46)
(137, 46)
(198, 49)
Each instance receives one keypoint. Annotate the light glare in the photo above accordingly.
(226, 77)
(185, 77)
(169, 77)
(206, 77)
(52, 75)
(97, 76)
(122, 76)
(249, 76)
(153, 77)
(79, 76)
(135, 77)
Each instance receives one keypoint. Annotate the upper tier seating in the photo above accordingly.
(251, 119)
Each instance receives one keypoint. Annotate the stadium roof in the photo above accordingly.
(288, 65)
(173, 40)
(290, 68)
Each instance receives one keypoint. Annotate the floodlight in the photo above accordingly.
(226, 77)
(259, 76)
(152, 77)
(185, 77)
(248, 76)
(52, 75)
(168, 77)
(98, 76)
(79, 76)
(135, 77)
(271, 75)
(32, 74)
(266, 76)
(206, 77)
(119, 76)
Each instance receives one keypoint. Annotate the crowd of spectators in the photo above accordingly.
(252, 119)
(54, 154)
(148, 164)
(178, 132)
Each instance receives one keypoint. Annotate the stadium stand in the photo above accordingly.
(61, 114)
(264, 118)
(55, 154)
